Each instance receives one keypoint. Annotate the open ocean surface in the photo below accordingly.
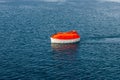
(27, 54)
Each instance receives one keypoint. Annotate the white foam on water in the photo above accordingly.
(116, 1)
(112, 40)
(103, 40)
(111, 11)
(53, 0)
(44, 0)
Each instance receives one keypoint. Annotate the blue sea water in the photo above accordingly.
(27, 54)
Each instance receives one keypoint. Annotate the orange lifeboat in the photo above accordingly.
(65, 37)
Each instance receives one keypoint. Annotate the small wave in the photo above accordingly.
(116, 1)
(102, 40)
(2, 1)
(112, 39)
(53, 0)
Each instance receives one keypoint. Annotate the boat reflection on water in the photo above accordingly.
(64, 51)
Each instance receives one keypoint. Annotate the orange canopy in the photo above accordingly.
(66, 35)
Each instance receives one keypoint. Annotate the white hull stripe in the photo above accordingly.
(64, 41)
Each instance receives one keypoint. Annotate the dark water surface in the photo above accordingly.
(27, 54)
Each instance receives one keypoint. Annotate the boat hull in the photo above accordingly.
(65, 41)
